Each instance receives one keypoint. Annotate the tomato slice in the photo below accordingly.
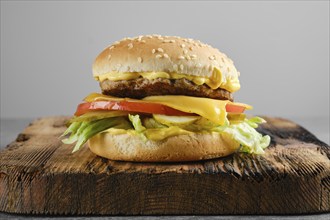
(234, 108)
(143, 107)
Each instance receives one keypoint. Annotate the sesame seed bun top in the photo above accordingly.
(156, 53)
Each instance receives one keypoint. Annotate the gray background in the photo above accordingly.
(280, 48)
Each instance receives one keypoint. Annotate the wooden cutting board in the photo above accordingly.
(39, 175)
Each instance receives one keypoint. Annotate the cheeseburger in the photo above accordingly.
(164, 99)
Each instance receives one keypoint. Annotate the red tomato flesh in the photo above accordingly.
(141, 107)
(152, 108)
(235, 108)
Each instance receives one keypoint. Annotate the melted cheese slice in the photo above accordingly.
(212, 109)
(216, 80)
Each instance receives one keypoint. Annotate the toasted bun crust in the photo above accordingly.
(192, 147)
(155, 53)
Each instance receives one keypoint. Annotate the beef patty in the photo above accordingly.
(141, 87)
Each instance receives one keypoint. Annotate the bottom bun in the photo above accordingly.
(191, 147)
(188, 147)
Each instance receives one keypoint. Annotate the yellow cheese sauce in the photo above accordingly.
(215, 81)
(158, 134)
(154, 134)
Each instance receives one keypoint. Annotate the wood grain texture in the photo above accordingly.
(39, 175)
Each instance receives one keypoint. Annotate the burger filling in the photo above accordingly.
(155, 118)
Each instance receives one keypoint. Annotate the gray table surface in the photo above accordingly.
(319, 126)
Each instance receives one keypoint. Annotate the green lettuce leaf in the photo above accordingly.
(72, 128)
(137, 124)
(75, 134)
(250, 139)
(88, 129)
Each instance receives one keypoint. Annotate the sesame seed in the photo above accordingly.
(109, 56)
(181, 57)
(188, 57)
(116, 43)
(165, 55)
(110, 48)
(190, 48)
(185, 51)
(182, 45)
(172, 41)
(175, 67)
(181, 66)
(143, 41)
(139, 59)
(153, 51)
(193, 57)
(130, 46)
(149, 36)
(160, 50)
(166, 41)
(158, 56)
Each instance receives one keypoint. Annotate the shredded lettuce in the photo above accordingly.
(82, 131)
(137, 124)
(75, 134)
(96, 115)
(250, 139)
(72, 128)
